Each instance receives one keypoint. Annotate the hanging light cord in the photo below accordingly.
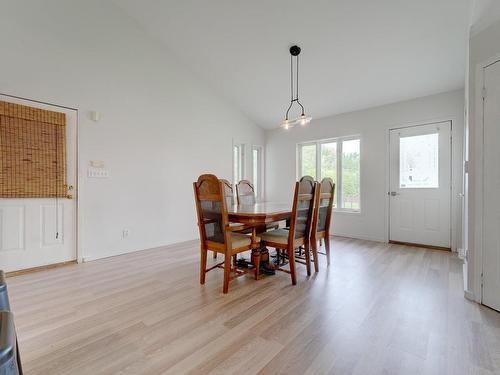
(296, 99)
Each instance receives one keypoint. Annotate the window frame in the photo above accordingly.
(260, 184)
(240, 160)
(318, 177)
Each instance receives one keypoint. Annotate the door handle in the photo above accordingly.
(392, 193)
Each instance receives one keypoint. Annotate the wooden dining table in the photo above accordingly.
(259, 214)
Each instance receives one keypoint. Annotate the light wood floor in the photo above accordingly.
(378, 309)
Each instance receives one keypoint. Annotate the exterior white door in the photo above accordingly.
(420, 182)
(491, 188)
(40, 231)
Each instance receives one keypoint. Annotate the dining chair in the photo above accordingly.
(300, 228)
(216, 233)
(322, 218)
(229, 195)
(228, 192)
(245, 192)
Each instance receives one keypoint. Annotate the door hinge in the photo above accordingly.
(484, 92)
(482, 279)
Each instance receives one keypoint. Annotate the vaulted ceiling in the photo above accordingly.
(355, 53)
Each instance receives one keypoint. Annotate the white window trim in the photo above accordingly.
(241, 161)
(260, 187)
(338, 184)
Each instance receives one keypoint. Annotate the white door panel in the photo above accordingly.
(31, 234)
(491, 198)
(420, 182)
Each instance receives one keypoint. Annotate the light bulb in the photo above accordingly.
(303, 120)
(285, 124)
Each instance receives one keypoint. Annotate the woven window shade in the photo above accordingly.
(32, 152)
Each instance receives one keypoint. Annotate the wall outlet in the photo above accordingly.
(125, 233)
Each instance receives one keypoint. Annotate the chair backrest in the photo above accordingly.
(228, 193)
(303, 207)
(245, 192)
(306, 178)
(211, 208)
(324, 206)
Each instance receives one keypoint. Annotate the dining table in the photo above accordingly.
(259, 214)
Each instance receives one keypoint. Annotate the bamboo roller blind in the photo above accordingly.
(32, 152)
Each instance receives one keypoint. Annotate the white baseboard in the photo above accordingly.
(471, 297)
(110, 254)
(359, 237)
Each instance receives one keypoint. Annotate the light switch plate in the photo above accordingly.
(94, 172)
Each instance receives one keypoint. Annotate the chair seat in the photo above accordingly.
(278, 236)
(241, 240)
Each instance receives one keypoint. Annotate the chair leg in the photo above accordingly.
(227, 272)
(320, 242)
(291, 262)
(307, 253)
(215, 254)
(315, 255)
(235, 261)
(327, 249)
(203, 263)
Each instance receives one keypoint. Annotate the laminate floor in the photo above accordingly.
(378, 309)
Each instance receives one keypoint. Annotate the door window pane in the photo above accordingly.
(238, 163)
(419, 161)
(350, 174)
(308, 159)
(256, 169)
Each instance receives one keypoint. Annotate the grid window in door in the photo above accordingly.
(32, 152)
(257, 180)
(419, 161)
(238, 158)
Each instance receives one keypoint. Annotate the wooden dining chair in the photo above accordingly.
(229, 195)
(300, 228)
(245, 192)
(228, 192)
(216, 233)
(322, 218)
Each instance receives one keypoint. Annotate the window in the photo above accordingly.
(349, 191)
(338, 159)
(238, 162)
(419, 161)
(308, 157)
(257, 175)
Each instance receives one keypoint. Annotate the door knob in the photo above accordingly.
(393, 193)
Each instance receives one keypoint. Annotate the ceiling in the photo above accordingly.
(355, 53)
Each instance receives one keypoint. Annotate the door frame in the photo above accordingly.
(476, 204)
(78, 211)
(388, 174)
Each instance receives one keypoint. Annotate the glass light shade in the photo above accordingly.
(303, 120)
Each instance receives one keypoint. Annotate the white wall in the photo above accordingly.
(160, 126)
(373, 125)
(483, 47)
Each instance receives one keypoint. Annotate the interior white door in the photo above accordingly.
(28, 226)
(491, 189)
(420, 182)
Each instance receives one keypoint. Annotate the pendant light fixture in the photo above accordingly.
(302, 119)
